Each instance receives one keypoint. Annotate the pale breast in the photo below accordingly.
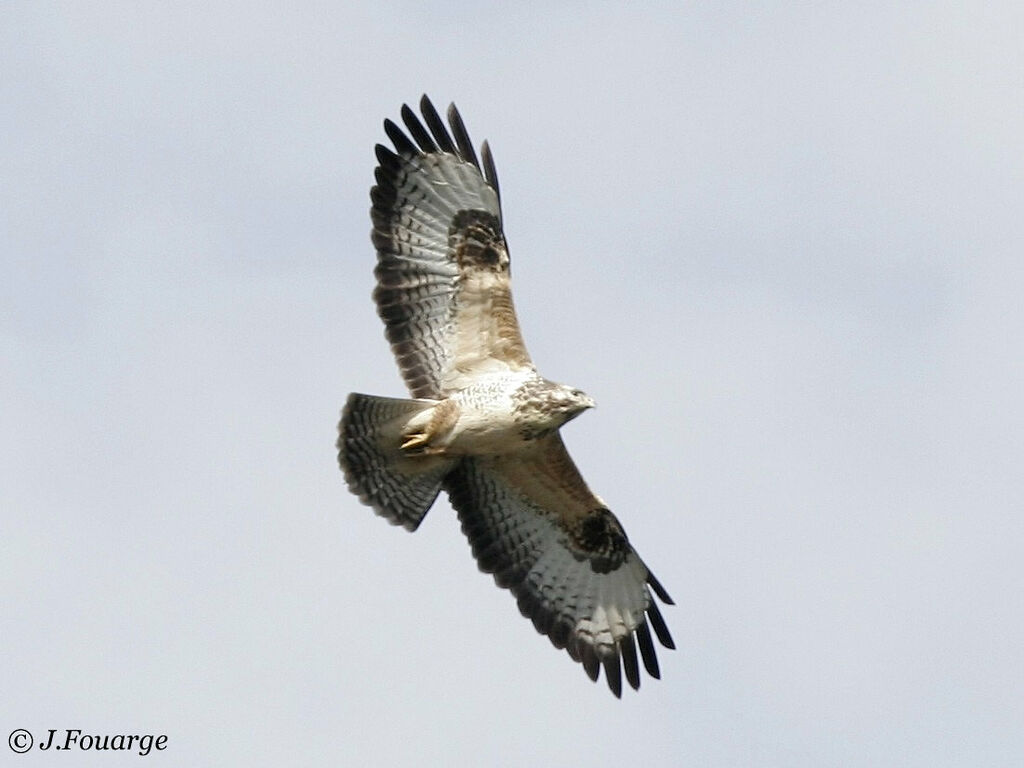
(488, 421)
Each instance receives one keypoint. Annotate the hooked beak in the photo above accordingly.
(584, 401)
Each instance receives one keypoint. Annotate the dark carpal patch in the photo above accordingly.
(601, 539)
(476, 240)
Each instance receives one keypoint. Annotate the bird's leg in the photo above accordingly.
(421, 435)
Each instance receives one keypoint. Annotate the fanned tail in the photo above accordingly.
(399, 487)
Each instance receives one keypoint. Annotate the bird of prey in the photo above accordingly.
(483, 424)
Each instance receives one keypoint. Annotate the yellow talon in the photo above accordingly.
(415, 440)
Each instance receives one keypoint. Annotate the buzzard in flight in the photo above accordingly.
(484, 424)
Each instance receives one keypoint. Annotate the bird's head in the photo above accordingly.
(569, 402)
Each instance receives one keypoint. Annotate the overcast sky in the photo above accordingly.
(781, 245)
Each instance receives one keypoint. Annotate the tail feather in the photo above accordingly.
(399, 487)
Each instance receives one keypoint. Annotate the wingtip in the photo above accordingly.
(613, 673)
(659, 590)
(627, 647)
(589, 660)
(462, 140)
(647, 651)
(659, 626)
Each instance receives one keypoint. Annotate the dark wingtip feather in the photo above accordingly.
(588, 657)
(660, 628)
(560, 633)
(419, 133)
(402, 142)
(386, 157)
(436, 125)
(650, 657)
(490, 172)
(613, 673)
(629, 664)
(573, 651)
(462, 136)
(658, 589)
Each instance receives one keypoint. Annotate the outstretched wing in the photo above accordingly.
(442, 261)
(534, 524)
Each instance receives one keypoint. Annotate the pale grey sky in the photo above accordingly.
(781, 246)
